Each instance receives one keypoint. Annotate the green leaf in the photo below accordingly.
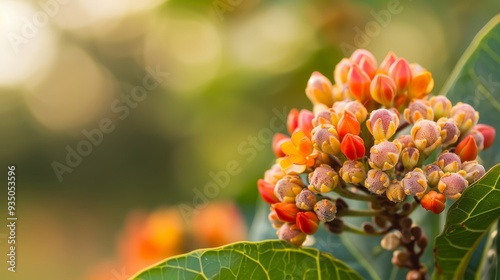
(476, 81)
(251, 260)
(467, 220)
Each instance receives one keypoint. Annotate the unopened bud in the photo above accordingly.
(292, 233)
(325, 210)
(383, 90)
(358, 84)
(305, 200)
(452, 185)
(426, 136)
(357, 109)
(352, 146)
(390, 241)
(365, 60)
(441, 106)
(467, 149)
(368, 228)
(325, 139)
(348, 123)
(449, 131)
(417, 110)
(433, 201)
(449, 162)
(473, 170)
(389, 59)
(319, 89)
(488, 133)
(400, 71)
(421, 85)
(382, 124)
(288, 188)
(286, 212)
(399, 258)
(433, 174)
(414, 183)
(395, 192)
(307, 222)
(341, 70)
(377, 181)
(275, 221)
(465, 116)
(410, 157)
(323, 179)
(385, 155)
(353, 171)
(336, 226)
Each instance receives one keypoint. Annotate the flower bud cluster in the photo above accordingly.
(373, 131)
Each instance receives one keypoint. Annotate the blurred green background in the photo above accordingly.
(65, 66)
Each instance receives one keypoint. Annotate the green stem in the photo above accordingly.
(353, 229)
(359, 213)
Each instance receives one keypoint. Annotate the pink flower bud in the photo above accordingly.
(400, 71)
(465, 116)
(441, 106)
(325, 139)
(383, 90)
(326, 117)
(473, 170)
(377, 181)
(288, 188)
(410, 157)
(305, 200)
(414, 183)
(452, 185)
(385, 155)
(353, 171)
(319, 89)
(325, 209)
(426, 136)
(449, 131)
(449, 162)
(433, 174)
(352, 146)
(382, 124)
(418, 109)
(323, 179)
(292, 234)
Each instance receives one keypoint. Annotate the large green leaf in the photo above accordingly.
(476, 81)
(251, 260)
(467, 220)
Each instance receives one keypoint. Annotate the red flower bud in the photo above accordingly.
(383, 90)
(292, 121)
(389, 59)
(352, 146)
(348, 123)
(358, 83)
(433, 201)
(305, 122)
(266, 190)
(365, 60)
(489, 134)
(467, 148)
(400, 71)
(307, 222)
(287, 212)
(278, 139)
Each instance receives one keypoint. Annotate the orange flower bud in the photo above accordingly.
(266, 191)
(383, 90)
(304, 122)
(358, 83)
(287, 212)
(421, 85)
(319, 89)
(389, 59)
(357, 109)
(400, 71)
(275, 221)
(365, 60)
(341, 70)
(433, 201)
(307, 222)
(488, 133)
(352, 146)
(467, 148)
(292, 121)
(278, 139)
(348, 123)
